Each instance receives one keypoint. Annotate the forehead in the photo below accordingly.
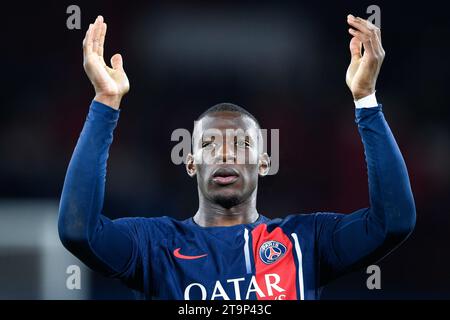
(223, 120)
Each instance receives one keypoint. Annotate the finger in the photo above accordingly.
(365, 39)
(361, 25)
(355, 48)
(117, 62)
(96, 33)
(102, 39)
(374, 35)
(369, 24)
(378, 45)
(87, 42)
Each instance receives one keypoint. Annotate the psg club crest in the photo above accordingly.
(271, 251)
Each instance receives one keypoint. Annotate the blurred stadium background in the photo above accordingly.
(283, 61)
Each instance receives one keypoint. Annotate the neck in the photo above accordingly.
(210, 214)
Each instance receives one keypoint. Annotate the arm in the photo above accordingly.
(102, 244)
(351, 241)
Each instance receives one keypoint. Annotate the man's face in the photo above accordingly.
(227, 157)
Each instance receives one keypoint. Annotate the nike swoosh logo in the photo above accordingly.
(177, 254)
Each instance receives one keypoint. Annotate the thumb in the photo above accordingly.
(117, 62)
(355, 49)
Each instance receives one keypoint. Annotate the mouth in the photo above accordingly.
(225, 176)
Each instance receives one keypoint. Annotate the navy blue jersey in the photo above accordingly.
(289, 258)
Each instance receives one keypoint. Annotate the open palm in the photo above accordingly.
(107, 81)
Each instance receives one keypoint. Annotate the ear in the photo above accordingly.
(263, 164)
(190, 165)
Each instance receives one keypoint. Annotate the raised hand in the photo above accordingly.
(363, 70)
(110, 84)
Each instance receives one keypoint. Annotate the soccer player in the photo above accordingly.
(227, 250)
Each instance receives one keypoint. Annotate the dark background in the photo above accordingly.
(283, 61)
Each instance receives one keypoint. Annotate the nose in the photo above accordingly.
(226, 153)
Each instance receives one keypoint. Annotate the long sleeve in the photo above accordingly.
(104, 245)
(347, 242)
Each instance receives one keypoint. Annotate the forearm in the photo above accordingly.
(391, 199)
(369, 234)
(82, 228)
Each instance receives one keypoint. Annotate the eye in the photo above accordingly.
(207, 144)
(242, 144)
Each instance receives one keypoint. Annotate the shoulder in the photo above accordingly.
(150, 225)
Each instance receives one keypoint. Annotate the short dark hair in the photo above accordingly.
(226, 106)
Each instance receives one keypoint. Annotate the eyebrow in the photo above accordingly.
(248, 136)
